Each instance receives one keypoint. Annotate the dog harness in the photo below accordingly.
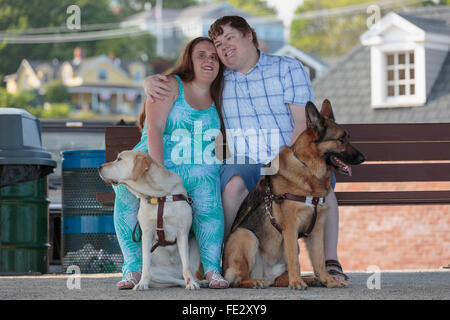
(269, 196)
(159, 222)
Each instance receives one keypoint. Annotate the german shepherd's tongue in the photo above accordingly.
(343, 168)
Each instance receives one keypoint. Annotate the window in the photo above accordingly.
(102, 74)
(138, 76)
(400, 74)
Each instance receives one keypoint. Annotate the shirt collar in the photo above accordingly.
(262, 58)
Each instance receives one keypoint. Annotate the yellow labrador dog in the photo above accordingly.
(149, 181)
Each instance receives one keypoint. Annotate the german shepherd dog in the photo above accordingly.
(264, 235)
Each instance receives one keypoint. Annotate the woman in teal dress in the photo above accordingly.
(179, 131)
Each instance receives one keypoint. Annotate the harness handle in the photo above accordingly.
(269, 196)
(160, 228)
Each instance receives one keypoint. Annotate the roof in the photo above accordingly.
(427, 24)
(348, 84)
(310, 59)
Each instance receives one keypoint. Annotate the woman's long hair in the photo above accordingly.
(185, 70)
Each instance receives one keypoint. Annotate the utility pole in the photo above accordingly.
(159, 30)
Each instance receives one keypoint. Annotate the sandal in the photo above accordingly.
(215, 279)
(131, 279)
(337, 269)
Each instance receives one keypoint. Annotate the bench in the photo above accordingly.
(395, 153)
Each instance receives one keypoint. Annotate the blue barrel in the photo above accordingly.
(89, 239)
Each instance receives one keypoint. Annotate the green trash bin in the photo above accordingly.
(24, 223)
(24, 218)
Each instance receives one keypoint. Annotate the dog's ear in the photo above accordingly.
(326, 110)
(314, 119)
(141, 165)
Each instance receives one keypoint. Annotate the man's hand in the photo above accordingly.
(156, 87)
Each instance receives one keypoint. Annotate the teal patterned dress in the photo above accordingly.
(188, 141)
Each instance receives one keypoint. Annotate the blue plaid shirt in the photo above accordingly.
(256, 106)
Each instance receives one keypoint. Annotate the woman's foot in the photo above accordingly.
(215, 279)
(334, 268)
(130, 280)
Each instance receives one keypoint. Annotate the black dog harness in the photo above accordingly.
(269, 196)
(159, 222)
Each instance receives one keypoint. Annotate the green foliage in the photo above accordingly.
(53, 111)
(26, 14)
(333, 35)
(24, 100)
(133, 47)
(56, 91)
(328, 35)
(256, 7)
(130, 7)
(20, 100)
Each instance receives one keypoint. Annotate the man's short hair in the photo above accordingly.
(235, 22)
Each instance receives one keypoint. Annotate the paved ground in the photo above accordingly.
(392, 285)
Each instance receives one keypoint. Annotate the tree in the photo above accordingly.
(332, 35)
(20, 100)
(126, 8)
(25, 14)
(56, 91)
(256, 7)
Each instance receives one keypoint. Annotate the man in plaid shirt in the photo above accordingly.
(263, 109)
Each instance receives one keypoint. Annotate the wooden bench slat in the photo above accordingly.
(399, 132)
(106, 199)
(121, 131)
(416, 151)
(379, 142)
(120, 138)
(393, 198)
(398, 173)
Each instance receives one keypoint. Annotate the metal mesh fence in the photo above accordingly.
(89, 240)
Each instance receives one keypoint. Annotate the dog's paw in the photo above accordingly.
(141, 286)
(193, 285)
(337, 284)
(253, 284)
(298, 285)
(330, 282)
(203, 283)
(313, 282)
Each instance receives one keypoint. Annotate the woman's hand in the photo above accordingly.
(156, 87)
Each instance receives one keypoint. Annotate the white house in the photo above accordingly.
(175, 27)
(313, 64)
(400, 73)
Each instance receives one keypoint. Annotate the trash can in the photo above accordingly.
(89, 240)
(24, 216)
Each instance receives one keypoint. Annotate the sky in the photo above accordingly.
(285, 8)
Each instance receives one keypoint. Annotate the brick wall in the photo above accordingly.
(391, 237)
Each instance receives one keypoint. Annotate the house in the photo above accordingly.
(399, 73)
(103, 83)
(313, 64)
(177, 26)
